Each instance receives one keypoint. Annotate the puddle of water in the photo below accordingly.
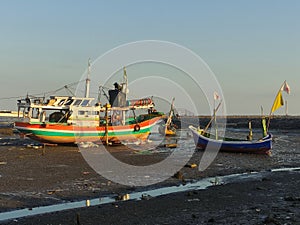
(285, 169)
(198, 185)
(105, 200)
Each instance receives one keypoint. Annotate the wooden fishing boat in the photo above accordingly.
(168, 129)
(261, 146)
(70, 119)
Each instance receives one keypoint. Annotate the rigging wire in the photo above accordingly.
(47, 93)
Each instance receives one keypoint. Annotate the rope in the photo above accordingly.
(46, 93)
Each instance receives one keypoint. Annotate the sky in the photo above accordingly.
(250, 46)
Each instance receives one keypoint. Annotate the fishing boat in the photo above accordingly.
(72, 120)
(202, 139)
(168, 129)
(261, 146)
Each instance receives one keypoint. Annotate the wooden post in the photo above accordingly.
(250, 131)
(264, 126)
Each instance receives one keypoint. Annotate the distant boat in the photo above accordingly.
(168, 129)
(261, 146)
(69, 119)
(8, 113)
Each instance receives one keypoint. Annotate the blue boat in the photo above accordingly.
(261, 146)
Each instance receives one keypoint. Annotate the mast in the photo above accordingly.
(87, 81)
(125, 83)
(125, 92)
(286, 107)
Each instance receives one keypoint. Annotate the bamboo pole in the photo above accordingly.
(215, 120)
(213, 117)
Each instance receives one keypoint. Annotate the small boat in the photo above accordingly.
(8, 113)
(202, 139)
(168, 129)
(261, 146)
(72, 120)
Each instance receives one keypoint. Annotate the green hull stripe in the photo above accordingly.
(83, 134)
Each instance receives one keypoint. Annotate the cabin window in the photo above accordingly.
(37, 101)
(85, 102)
(57, 117)
(69, 102)
(77, 102)
(36, 113)
(61, 102)
(95, 113)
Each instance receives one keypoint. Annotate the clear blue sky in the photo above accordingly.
(251, 46)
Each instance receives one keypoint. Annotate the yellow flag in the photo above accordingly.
(278, 102)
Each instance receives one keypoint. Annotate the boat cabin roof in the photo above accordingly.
(55, 102)
(78, 103)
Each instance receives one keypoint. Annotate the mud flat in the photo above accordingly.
(33, 176)
(272, 200)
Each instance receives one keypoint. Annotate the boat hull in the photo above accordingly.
(262, 146)
(59, 133)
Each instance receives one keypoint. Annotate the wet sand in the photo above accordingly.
(35, 177)
(32, 177)
(273, 200)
